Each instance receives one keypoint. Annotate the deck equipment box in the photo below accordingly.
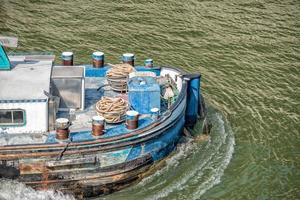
(68, 84)
(143, 94)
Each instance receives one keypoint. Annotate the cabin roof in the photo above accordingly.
(27, 80)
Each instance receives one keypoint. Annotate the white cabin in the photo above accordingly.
(23, 96)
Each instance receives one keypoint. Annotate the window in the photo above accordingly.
(12, 117)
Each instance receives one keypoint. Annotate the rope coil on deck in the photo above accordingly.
(117, 76)
(112, 109)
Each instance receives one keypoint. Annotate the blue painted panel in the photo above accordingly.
(86, 135)
(4, 61)
(156, 70)
(114, 131)
(134, 153)
(143, 94)
(158, 147)
(75, 137)
(193, 91)
(90, 71)
(165, 144)
(161, 146)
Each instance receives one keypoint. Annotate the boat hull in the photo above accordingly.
(92, 169)
(102, 165)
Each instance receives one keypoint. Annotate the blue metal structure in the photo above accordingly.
(193, 99)
(143, 94)
(90, 71)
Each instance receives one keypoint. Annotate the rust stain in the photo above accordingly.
(45, 177)
(117, 177)
(81, 196)
(36, 168)
(32, 168)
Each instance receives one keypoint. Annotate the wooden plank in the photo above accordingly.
(78, 175)
(68, 162)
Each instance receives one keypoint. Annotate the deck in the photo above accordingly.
(81, 125)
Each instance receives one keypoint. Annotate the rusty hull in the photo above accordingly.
(83, 177)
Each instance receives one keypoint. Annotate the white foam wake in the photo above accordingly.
(13, 190)
(194, 168)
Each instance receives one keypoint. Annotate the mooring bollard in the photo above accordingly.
(67, 58)
(98, 124)
(132, 118)
(149, 63)
(128, 58)
(98, 59)
(154, 113)
(62, 128)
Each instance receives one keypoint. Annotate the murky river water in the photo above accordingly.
(249, 55)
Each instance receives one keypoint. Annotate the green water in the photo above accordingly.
(249, 55)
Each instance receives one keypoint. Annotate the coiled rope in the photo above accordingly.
(112, 109)
(117, 76)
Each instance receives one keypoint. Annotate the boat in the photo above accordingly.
(54, 135)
